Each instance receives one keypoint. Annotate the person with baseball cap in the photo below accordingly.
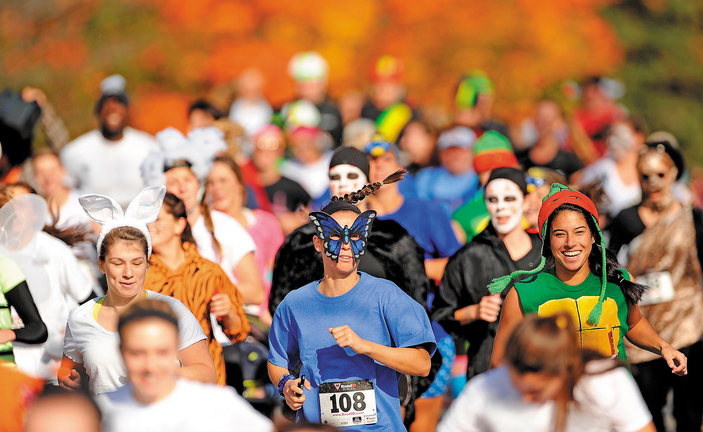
(310, 71)
(453, 182)
(108, 160)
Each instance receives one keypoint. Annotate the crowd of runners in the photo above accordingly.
(348, 265)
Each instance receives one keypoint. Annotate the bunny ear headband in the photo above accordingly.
(142, 210)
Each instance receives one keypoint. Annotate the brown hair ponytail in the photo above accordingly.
(207, 218)
(355, 197)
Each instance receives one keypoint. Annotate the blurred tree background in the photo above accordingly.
(663, 66)
(173, 51)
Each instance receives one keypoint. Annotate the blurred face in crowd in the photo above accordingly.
(312, 90)
(623, 140)
(384, 93)
(657, 177)
(457, 160)
(199, 118)
(304, 146)
(112, 118)
(537, 387)
(382, 166)
(268, 149)
(224, 189)
(538, 189)
(548, 118)
(165, 229)
(345, 179)
(250, 85)
(184, 184)
(505, 202)
(150, 351)
(418, 142)
(48, 173)
(62, 412)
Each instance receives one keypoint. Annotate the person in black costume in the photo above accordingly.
(464, 306)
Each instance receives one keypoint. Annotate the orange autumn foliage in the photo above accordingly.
(172, 52)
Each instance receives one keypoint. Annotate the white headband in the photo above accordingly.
(142, 210)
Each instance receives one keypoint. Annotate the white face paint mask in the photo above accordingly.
(504, 201)
(345, 179)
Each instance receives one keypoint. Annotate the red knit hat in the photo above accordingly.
(563, 196)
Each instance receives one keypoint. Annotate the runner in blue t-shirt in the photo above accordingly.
(351, 334)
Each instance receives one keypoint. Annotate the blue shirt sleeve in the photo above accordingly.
(408, 323)
(283, 343)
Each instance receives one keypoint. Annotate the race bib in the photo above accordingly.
(661, 289)
(347, 403)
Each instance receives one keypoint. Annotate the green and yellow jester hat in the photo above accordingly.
(558, 195)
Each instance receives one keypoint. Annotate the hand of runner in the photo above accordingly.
(72, 381)
(676, 360)
(220, 305)
(346, 337)
(489, 308)
(294, 395)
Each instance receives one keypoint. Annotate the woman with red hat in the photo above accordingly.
(581, 278)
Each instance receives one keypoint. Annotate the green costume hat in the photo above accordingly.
(558, 195)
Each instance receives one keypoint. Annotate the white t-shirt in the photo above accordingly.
(234, 240)
(71, 213)
(89, 344)
(620, 196)
(191, 407)
(57, 284)
(113, 168)
(314, 177)
(490, 403)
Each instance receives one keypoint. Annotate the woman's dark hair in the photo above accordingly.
(205, 106)
(632, 291)
(175, 207)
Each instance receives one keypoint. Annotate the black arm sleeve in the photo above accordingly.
(34, 331)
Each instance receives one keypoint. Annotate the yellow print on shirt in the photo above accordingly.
(603, 337)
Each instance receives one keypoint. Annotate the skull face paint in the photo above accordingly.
(657, 176)
(346, 179)
(504, 201)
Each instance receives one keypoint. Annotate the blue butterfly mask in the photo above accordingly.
(334, 235)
